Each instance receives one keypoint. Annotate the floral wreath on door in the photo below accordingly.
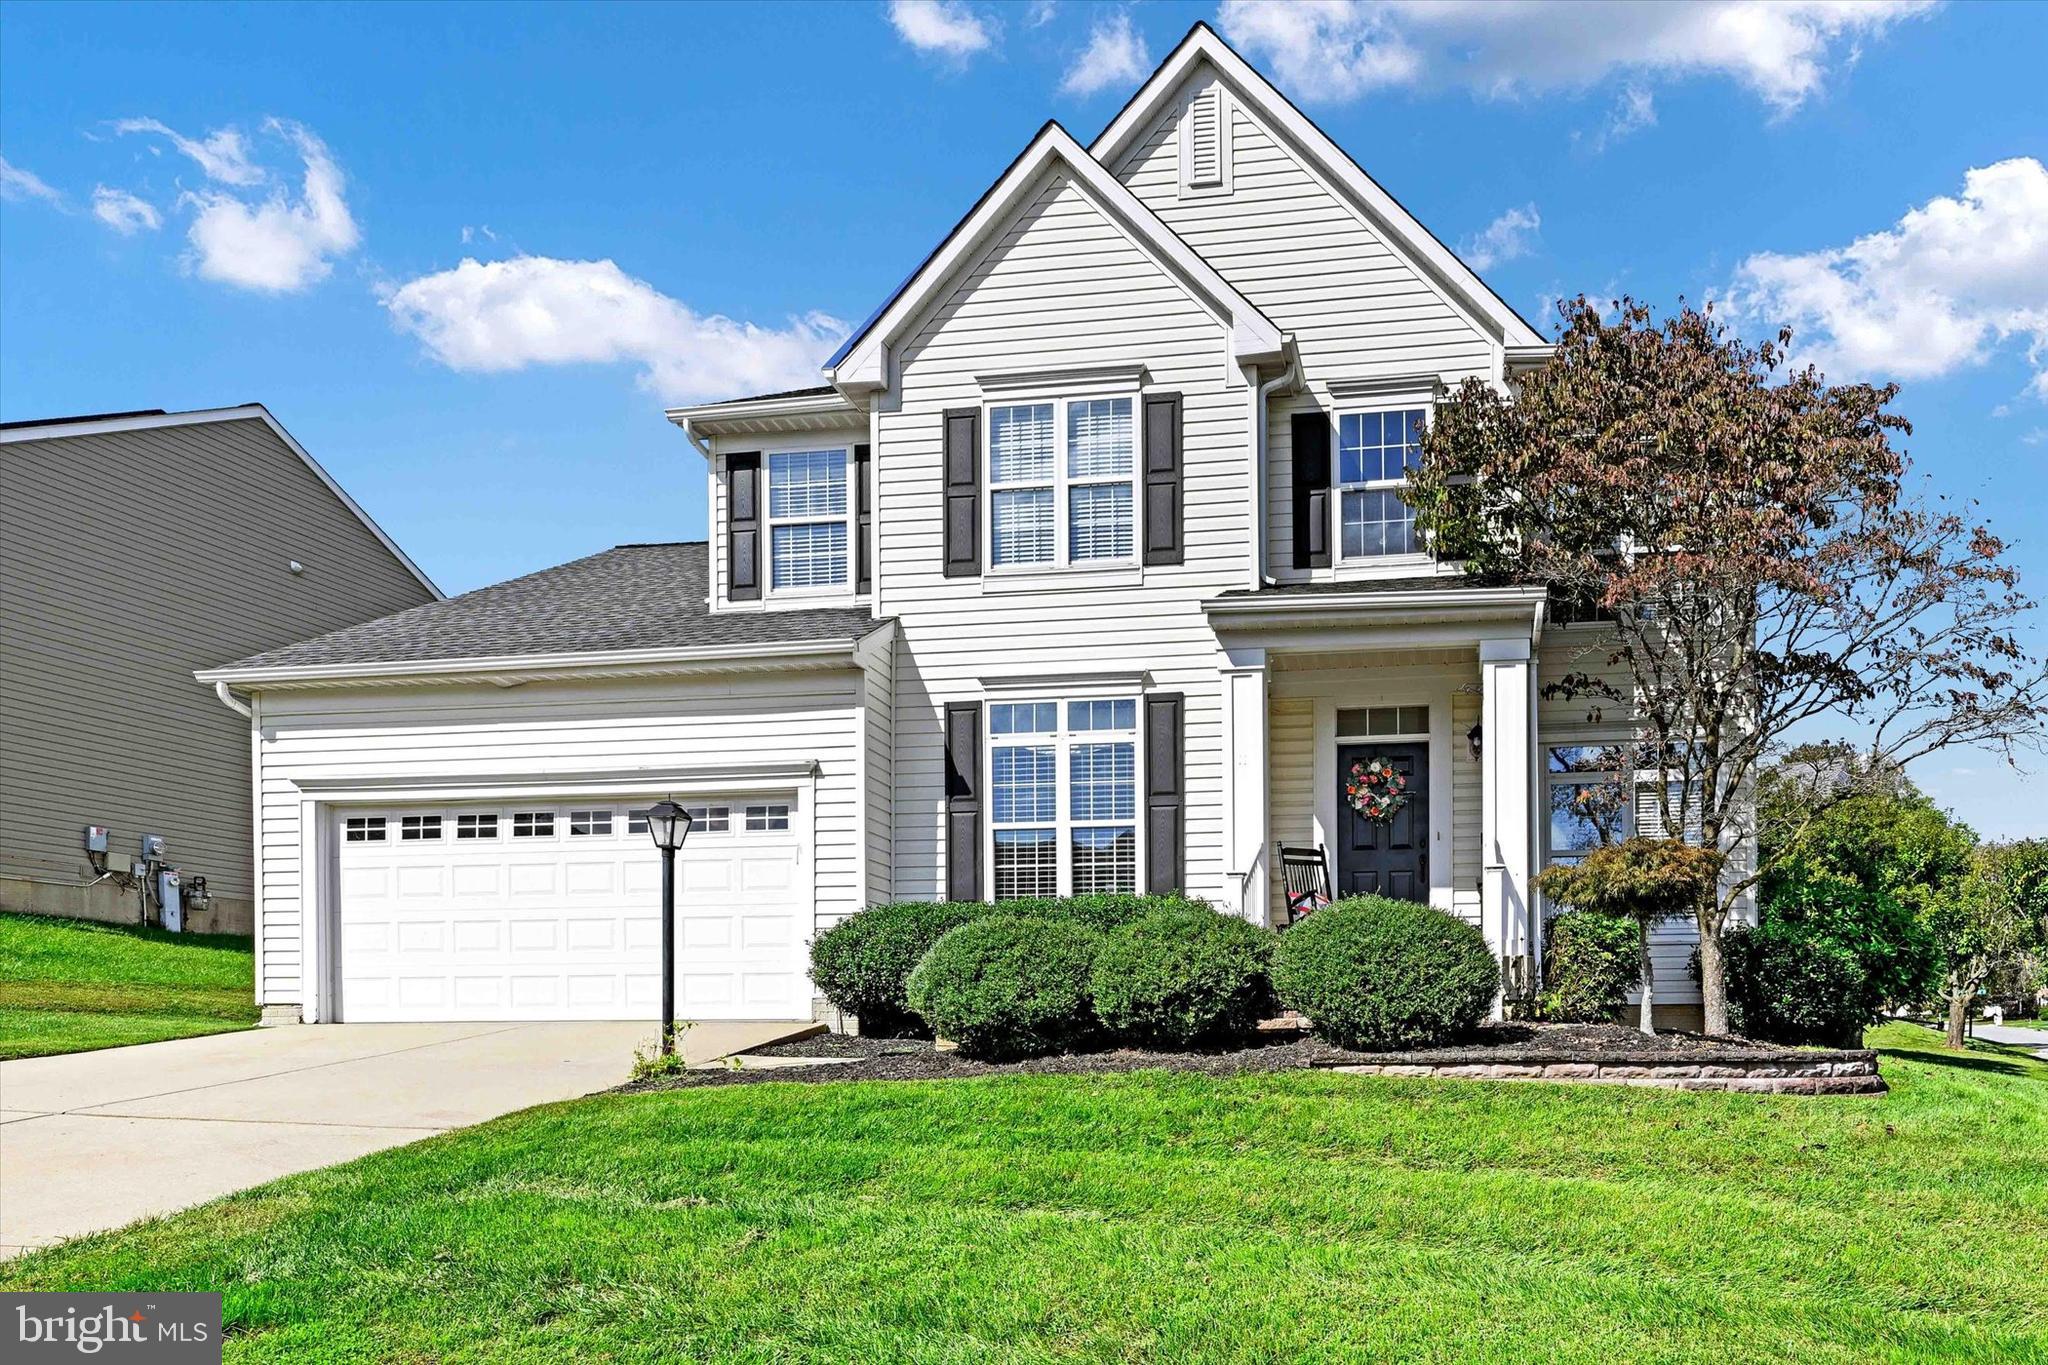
(1376, 789)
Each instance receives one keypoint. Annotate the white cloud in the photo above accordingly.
(1938, 291)
(123, 212)
(222, 154)
(18, 184)
(1634, 110)
(1335, 50)
(1506, 238)
(1115, 56)
(1041, 12)
(277, 244)
(535, 310)
(946, 27)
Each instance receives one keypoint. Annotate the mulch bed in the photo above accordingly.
(911, 1059)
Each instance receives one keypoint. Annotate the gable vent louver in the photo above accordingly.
(1204, 142)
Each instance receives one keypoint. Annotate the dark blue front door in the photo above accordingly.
(1385, 857)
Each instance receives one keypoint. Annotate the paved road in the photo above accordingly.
(96, 1140)
(2034, 1039)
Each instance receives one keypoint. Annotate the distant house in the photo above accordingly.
(134, 548)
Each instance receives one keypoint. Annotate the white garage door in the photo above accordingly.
(552, 910)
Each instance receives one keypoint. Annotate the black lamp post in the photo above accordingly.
(669, 824)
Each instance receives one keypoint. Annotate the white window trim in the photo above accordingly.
(769, 521)
(1625, 773)
(1063, 823)
(1410, 560)
(1060, 564)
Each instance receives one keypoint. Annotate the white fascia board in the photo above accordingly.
(1254, 337)
(1322, 606)
(826, 654)
(1331, 161)
(810, 412)
(245, 412)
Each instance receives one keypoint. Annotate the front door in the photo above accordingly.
(1385, 857)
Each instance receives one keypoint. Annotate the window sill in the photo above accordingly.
(1414, 565)
(1062, 580)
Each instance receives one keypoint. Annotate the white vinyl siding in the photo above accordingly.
(1356, 306)
(1059, 285)
(370, 735)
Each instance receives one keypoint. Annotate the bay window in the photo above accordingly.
(1062, 483)
(807, 520)
(1063, 797)
(1377, 454)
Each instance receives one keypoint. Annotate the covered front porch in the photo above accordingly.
(1429, 678)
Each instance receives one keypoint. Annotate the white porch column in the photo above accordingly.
(1246, 860)
(1507, 763)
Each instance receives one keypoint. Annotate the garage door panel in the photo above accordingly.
(564, 922)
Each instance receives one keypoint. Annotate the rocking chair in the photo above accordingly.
(1306, 874)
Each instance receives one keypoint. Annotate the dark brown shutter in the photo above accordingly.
(963, 801)
(863, 520)
(963, 492)
(743, 526)
(1311, 490)
(1165, 792)
(1163, 543)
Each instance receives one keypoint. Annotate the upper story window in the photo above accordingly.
(1377, 454)
(807, 520)
(1064, 797)
(1061, 480)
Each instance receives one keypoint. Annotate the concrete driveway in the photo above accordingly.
(96, 1140)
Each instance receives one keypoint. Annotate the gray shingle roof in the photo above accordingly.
(629, 597)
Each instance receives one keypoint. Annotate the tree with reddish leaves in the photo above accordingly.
(1748, 529)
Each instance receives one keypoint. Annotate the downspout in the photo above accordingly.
(703, 448)
(232, 702)
(1289, 377)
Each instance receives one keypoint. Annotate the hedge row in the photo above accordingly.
(1022, 979)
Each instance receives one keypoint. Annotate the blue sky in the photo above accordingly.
(205, 206)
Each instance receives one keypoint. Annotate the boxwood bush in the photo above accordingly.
(863, 963)
(1374, 973)
(1590, 964)
(1183, 978)
(1008, 986)
(1790, 982)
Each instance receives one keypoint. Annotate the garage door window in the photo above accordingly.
(365, 829)
(711, 819)
(586, 823)
(762, 819)
(476, 826)
(533, 824)
(415, 827)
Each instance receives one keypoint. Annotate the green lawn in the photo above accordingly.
(1296, 1217)
(67, 985)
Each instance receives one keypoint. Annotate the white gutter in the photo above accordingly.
(814, 653)
(1323, 603)
(703, 446)
(229, 700)
(1262, 490)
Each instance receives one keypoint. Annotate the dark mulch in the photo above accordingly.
(911, 1059)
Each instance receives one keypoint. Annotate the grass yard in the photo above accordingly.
(1147, 1216)
(69, 985)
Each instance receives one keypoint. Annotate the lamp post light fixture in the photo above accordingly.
(668, 824)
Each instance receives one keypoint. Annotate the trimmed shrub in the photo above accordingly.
(863, 963)
(1795, 983)
(1183, 978)
(1375, 973)
(1007, 987)
(1590, 964)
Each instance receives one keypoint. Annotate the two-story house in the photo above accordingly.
(1085, 570)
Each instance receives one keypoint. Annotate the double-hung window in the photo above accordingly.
(1062, 483)
(1063, 797)
(1377, 454)
(807, 520)
(1587, 787)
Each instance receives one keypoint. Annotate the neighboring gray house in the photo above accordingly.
(134, 548)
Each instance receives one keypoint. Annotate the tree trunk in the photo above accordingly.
(1713, 983)
(1958, 1009)
(1647, 1023)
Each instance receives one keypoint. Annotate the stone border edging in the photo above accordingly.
(1788, 1073)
